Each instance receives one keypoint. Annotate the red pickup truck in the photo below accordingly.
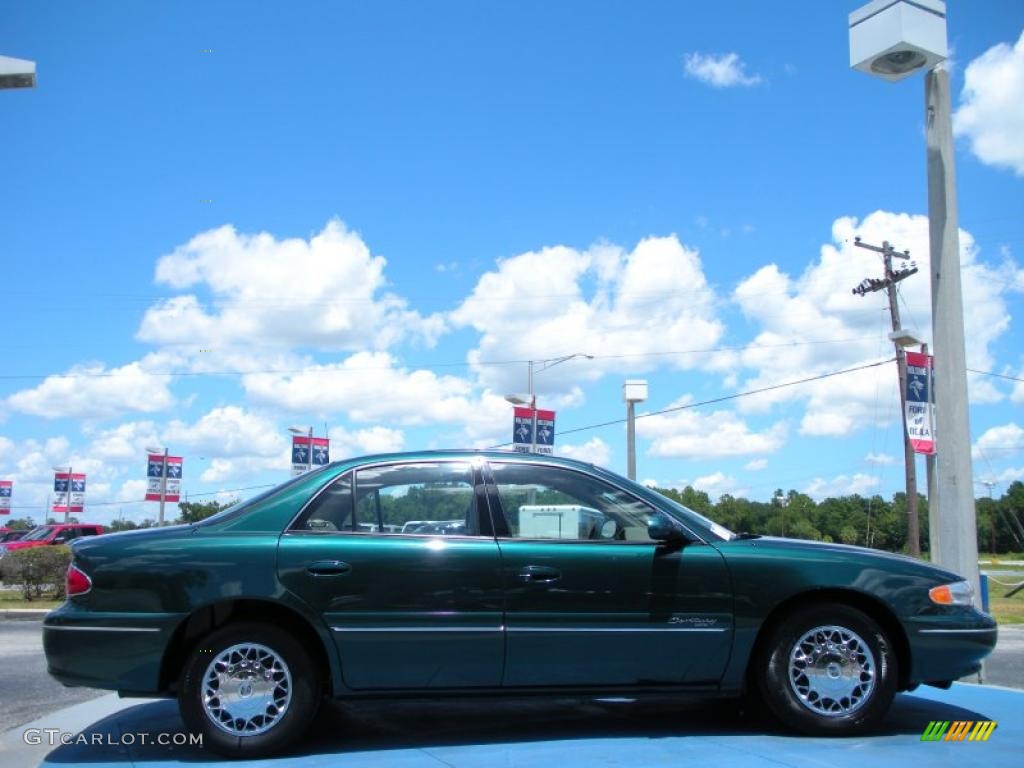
(59, 533)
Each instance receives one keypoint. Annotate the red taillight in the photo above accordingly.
(77, 582)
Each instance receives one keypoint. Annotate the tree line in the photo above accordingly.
(871, 521)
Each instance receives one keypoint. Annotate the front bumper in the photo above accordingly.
(115, 651)
(947, 648)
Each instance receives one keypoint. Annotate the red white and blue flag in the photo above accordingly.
(68, 492)
(6, 486)
(920, 426)
(155, 476)
(523, 438)
(302, 447)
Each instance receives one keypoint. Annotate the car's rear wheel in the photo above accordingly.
(250, 689)
(828, 669)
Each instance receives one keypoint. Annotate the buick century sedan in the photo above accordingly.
(463, 572)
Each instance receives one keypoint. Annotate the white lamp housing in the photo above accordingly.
(634, 390)
(17, 73)
(892, 39)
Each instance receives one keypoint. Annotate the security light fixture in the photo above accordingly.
(892, 39)
(17, 73)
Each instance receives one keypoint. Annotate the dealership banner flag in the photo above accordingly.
(68, 492)
(154, 475)
(523, 438)
(5, 496)
(302, 447)
(920, 426)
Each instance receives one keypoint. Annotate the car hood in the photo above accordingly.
(783, 546)
(13, 545)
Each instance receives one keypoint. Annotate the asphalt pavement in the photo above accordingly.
(26, 690)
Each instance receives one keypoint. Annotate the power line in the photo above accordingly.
(721, 399)
(996, 375)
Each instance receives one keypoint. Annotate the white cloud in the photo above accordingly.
(880, 459)
(999, 441)
(125, 442)
(596, 451)
(991, 113)
(692, 434)
(238, 442)
(718, 483)
(756, 465)
(368, 387)
(559, 301)
(378, 439)
(842, 485)
(92, 391)
(718, 70)
(848, 330)
(328, 292)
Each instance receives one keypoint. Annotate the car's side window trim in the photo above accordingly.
(502, 520)
(478, 487)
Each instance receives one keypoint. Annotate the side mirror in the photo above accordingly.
(59, 539)
(661, 528)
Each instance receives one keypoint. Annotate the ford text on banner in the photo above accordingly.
(523, 438)
(5, 496)
(65, 500)
(919, 403)
(154, 476)
(302, 447)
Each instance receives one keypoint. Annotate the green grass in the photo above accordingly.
(10, 601)
(1007, 610)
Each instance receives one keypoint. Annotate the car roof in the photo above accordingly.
(463, 453)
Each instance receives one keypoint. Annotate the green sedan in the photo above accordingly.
(461, 572)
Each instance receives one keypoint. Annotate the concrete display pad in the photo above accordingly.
(564, 732)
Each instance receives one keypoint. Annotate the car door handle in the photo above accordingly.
(328, 568)
(539, 574)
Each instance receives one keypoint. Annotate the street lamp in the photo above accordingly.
(531, 398)
(892, 39)
(17, 73)
(633, 391)
(163, 481)
(309, 449)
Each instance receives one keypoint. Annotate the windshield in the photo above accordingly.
(39, 533)
(718, 530)
(235, 509)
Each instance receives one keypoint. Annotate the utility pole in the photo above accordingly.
(870, 285)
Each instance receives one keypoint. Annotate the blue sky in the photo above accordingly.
(365, 211)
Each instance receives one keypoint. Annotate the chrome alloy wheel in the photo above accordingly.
(246, 689)
(832, 671)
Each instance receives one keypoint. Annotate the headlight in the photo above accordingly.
(957, 593)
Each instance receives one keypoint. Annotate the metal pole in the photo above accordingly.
(310, 457)
(163, 488)
(929, 469)
(958, 537)
(630, 440)
(909, 459)
(533, 409)
(67, 504)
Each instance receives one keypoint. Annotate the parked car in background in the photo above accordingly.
(54, 533)
(11, 534)
(453, 572)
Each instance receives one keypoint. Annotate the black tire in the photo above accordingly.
(293, 688)
(856, 668)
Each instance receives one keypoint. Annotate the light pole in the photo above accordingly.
(17, 73)
(531, 398)
(163, 481)
(309, 450)
(633, 391)
(892, 39)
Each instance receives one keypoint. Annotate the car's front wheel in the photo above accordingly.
(250, 689)
(828, 669)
